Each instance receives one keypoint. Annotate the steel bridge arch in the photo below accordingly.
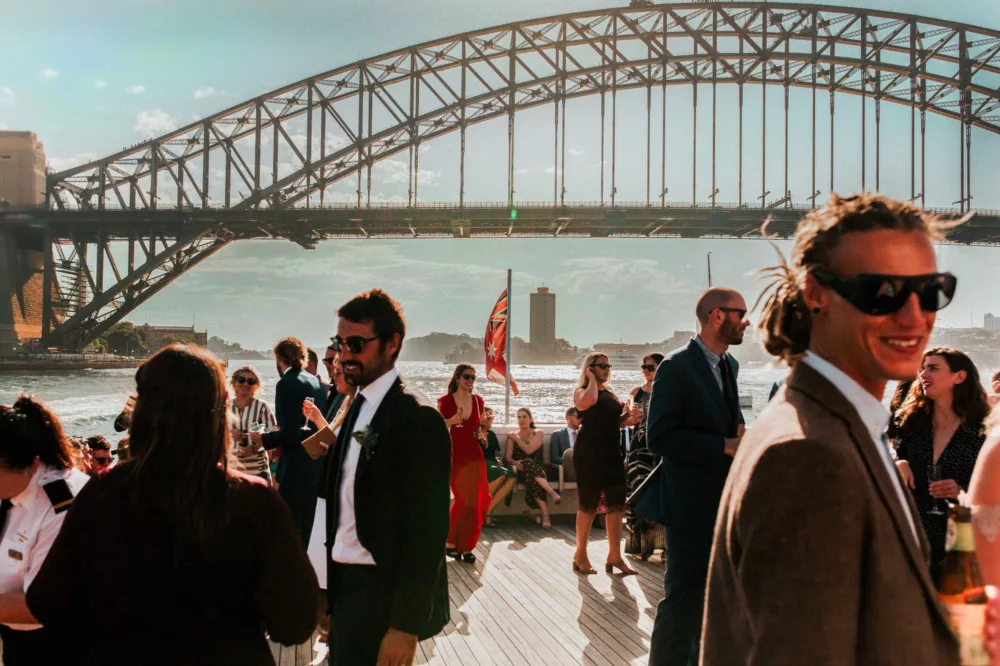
(441, 86)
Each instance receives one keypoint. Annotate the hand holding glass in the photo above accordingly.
(934, 474)
(306, 426)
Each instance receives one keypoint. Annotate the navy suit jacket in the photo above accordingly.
(558, 446)
(687, 424)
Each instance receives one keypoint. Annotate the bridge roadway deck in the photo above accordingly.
(521, 605)
(308, 226)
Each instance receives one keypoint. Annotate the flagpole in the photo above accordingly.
(510, 356)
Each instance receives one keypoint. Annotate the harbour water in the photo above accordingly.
(88, 401)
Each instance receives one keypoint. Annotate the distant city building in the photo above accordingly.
(157, 337)
(543, 321)
(991, 323)
(22, 169)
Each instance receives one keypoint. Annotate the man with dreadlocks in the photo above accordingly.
(818, 556)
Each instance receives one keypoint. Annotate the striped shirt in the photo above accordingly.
(246, 417)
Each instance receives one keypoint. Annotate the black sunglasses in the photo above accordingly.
(602, 366)
(885, 294)
(354, 343)
(329, 361)
(250, 381)
(740, 311)
(648, 366)
(101, 461)
(469, 377)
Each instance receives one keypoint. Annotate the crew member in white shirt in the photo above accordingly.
(38, 483)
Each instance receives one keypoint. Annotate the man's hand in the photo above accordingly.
(906, 473)
(256, 440)
(741, 430)
(397, 648)
(732, 445)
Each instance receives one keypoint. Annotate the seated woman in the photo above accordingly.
(208, 562)
(523, 451)
(502, 479)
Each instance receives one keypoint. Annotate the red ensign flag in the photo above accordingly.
(496, 344)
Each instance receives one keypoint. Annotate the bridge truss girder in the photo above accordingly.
(341, 123)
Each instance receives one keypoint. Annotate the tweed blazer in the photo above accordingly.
(813, 560)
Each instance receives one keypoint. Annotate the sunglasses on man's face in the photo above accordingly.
(740, 311)
(648, 367)
(602, 366)
(329, 361)
(249, 381)
(876, 294)
(469, 378)
(353, 343)
(102, 460)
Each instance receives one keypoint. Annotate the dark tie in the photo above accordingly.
(346, 430)
(4, 510)
(729, 388)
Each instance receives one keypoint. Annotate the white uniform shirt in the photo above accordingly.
(31, 529)
(346, 547)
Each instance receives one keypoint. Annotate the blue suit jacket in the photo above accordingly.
(687, 424)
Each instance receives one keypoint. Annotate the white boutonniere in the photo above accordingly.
(368, 439)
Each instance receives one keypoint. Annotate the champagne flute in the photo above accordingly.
(312, 400)
(934, 474)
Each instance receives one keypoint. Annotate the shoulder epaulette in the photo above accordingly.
(59, 494)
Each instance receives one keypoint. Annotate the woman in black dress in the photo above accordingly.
(940, 423)
(639, 532)
(598, 461)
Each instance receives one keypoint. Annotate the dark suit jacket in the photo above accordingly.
(813, 556)
(402, 501)
(558, 446)
(292, 390)
(774, 388)
(688, 423)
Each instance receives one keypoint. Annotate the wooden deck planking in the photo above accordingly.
(520, 604)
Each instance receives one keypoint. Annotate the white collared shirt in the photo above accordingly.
(872, 413)
(346, 547)
(31, 528)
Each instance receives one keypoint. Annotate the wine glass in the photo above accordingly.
(312, 400)
(934, 474)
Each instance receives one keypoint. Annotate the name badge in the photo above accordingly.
(15, 555)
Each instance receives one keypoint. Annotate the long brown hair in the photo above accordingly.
(969, 401)
(29, 430)
(459, 369)
(179, 437)
(785, 320)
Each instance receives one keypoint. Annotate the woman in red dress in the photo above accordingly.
(463, 411)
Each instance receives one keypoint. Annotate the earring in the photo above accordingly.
(816, 311)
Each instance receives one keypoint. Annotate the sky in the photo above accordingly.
(96, 81)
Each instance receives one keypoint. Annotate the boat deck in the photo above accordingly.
(521, 604)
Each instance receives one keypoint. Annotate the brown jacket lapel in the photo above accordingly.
(825, 395)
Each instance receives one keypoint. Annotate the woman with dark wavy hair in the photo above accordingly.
(938, 434)
(209, 553)
(38, 483)
(463, 411)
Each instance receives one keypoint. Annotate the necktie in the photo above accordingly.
(729, 388)
(4, 510)
(347, 429)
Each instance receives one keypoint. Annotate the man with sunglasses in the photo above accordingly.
(819, 557)
(99, 455)
(387, 490)
(694, 422)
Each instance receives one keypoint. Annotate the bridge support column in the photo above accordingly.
(21, 286)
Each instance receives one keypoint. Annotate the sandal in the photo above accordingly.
(626, 570)
(556, 498)
(489, 522)
(452, 553)
(469, 558)
(546, 524)
(588, 571)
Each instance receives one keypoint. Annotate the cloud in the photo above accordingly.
(136, 90)
(551, 170)
(63, 163)
(574, 152)
(390, 172)
(585, 275)
(100, 84)
(3, 127)
(152, 123)
(202, 93)
(48, 73)
(6, 92)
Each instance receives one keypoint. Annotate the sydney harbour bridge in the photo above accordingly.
(115, 231)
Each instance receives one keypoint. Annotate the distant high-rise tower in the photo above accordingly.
(543, 320)
(22, 169)
(990, 323)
